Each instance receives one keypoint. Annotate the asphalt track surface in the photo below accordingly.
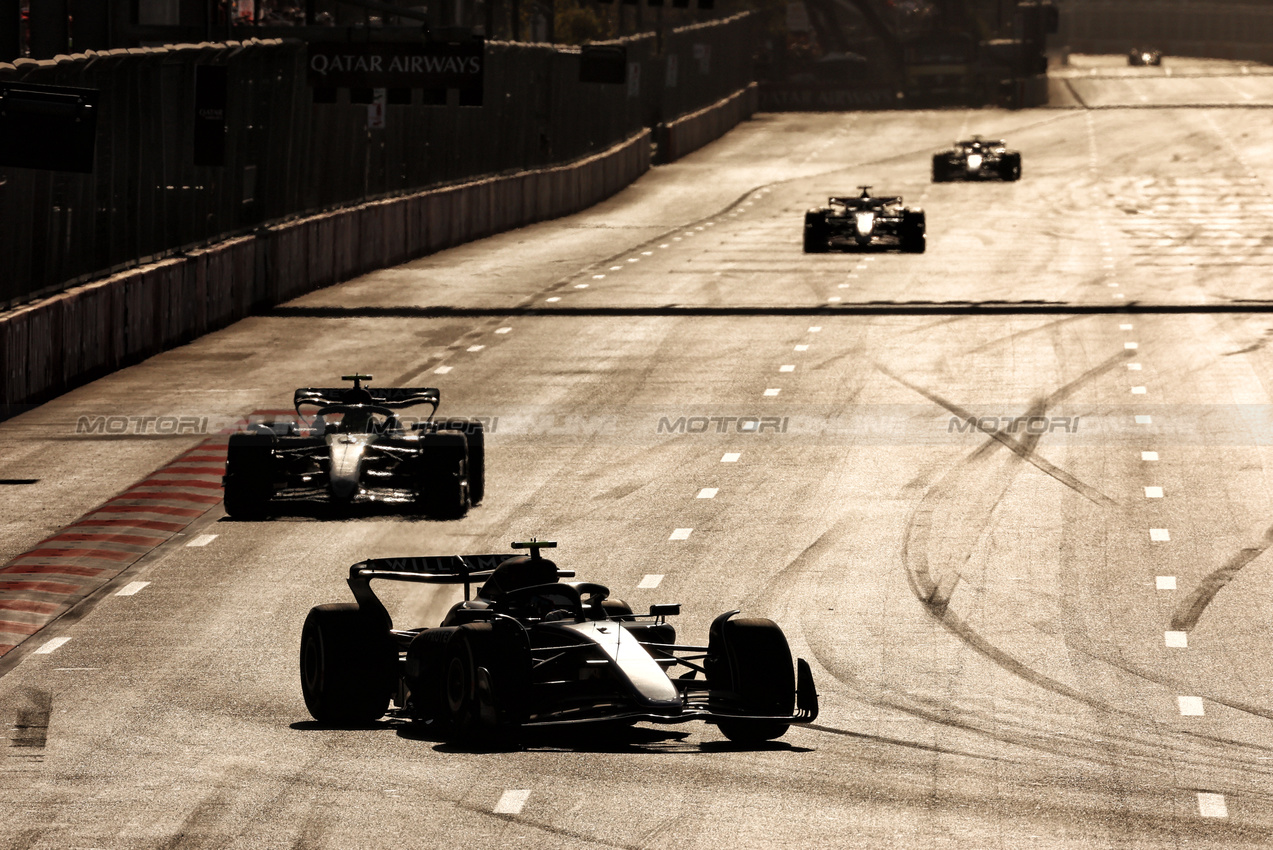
(1048, 628)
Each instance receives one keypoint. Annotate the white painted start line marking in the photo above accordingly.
(787, 368)
(1164, 582)
(1176, 640)
(442, 370)
(772, 391)
(1134, 367)
(1124, 327)
(502, 330)
(51, 645)
(680, 534)
(815, 329)
(132, 588)
(1139, 391)
(201, 540)
(1144, 420)
(802, 348)
(1212, 805)
(1131, 346)
(650, 582)
(511, 802)
(1149, 455)
(1153, 492)
(731, 457)
(1159, 535)
(1190, 706)
(473, 348)
(708, 493)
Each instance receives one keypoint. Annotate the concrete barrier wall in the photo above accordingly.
(52, 345)
(691, 132)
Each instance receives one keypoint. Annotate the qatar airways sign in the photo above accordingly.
(397, 65)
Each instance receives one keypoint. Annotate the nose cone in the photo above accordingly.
(974, 162)
(346, 452)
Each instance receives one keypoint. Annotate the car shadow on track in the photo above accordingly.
(327, 513)
(622, 739)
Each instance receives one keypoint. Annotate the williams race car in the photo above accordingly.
(351, 447)
(1142, 56)
(529, 650)
(976, 159)
(864, 222)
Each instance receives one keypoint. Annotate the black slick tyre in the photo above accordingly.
(248, 469)
(347, 666)
(913, 240)
(1010, 167)
(940, 170)
(443, 488)
(749, 659)
(483, 671)
(475, 433)
(816, 233)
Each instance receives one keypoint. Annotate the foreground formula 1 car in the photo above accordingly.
(863, 223)
(1142, 56)
(351, 447)
(529, 650)
(976, 159)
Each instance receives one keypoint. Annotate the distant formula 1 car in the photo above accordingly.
(531, 651)
(1141, 56)
(351, 447)
(864, 223)
(976, 159)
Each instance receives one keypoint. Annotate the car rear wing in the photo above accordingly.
(391, 397)
(857, 202)
(428, 569)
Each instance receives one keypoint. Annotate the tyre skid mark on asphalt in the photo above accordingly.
(1190, 610)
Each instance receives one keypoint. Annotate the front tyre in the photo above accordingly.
(1010, 166)
(748, 659)
(816, 232)
(475, 433)
(347, 666)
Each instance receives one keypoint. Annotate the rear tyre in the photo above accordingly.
(816, 233)
(749, 659)
(347, 666)
(475, 433)
(1010, 166)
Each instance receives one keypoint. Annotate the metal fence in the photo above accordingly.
(1220, 30)
(287, 156)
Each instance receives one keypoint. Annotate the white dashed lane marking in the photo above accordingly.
(1159, 535)
(1124, 327)
(1153, 492)
(787, 368)
(708, 493)
(731, 457)
(1190, 706)
(581, 286)
(1139, 391)
(772, 391)
(442, 370)
(202, 540)
(511, 802)
(1133, 367)
(553, 300)
(1149, 455)
(1176, 640)
(650, 582)
(680, 534)
(815, 329)
(1165, 582)
(473, 348)
(1131, 346)
(132, 588)
(1212, 805)
(502, 330)
(1144, 420)
(802, 348)
(51, 646)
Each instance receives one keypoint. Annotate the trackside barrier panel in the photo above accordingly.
(64, 340)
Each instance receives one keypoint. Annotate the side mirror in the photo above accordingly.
(669, 609)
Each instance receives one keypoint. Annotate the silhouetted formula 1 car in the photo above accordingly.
(351, 447)
(1142, 56)
(530, 650)
(864, 222)
(976, 159)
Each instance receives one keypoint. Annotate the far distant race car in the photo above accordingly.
(862, 223)
(350, 447)
(976, 159)
(530, 651)
(1144, 56)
